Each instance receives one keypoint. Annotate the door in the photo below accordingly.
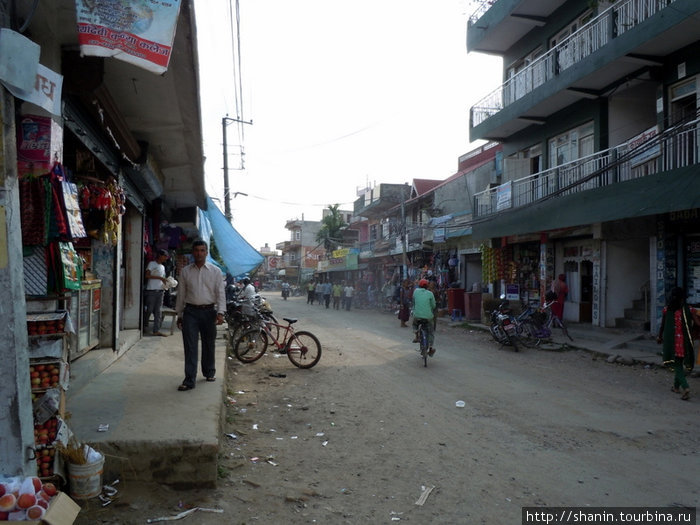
(586, 304)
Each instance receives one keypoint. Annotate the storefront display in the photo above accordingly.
(84, 307)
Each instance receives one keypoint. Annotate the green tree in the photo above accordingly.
(331, 225)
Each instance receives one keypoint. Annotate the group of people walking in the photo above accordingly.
(322, 292)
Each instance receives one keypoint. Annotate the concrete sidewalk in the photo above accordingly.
(154, 432)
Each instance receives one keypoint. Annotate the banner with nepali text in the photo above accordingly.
(140, 32)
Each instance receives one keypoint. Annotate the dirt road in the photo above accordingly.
(360, 437)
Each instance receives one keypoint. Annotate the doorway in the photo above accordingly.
(586, 305)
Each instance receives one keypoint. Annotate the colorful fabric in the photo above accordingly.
(675, 332)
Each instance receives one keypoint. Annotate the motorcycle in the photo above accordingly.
(503, 326)
(285, 292)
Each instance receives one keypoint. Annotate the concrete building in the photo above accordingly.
(598, 118)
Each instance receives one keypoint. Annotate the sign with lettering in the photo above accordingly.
(140, 32)
(46, 92)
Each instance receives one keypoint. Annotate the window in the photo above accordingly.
(297, 235)
(571, 145)
(683, 101)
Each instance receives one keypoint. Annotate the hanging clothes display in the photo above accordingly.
(35, 203)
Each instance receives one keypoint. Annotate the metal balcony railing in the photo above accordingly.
(484, 6)
(591, 37)
(677, 147)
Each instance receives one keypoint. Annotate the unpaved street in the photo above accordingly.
(358, 438)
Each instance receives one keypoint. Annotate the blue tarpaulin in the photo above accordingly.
(238, 255)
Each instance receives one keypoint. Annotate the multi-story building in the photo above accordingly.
(598, 118)
(300, 254)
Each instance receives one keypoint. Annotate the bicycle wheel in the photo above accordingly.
(558, 322)
(303, 349)
(424, 347)
(527, 331)
(251, 345)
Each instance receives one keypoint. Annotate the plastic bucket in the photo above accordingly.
(86, 480)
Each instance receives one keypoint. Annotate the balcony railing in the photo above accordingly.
(484, 6)
(676, 148)
(591, 37)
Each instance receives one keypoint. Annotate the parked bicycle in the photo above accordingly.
(535, 324)
(242, 315)
(302, 348)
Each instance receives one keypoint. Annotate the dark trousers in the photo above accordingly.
(152, 303)
(310, 297)
(327, 299)
(195, 323)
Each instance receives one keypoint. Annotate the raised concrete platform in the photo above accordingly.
(155, 433)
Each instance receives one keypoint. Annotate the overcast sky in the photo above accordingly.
(341, 95)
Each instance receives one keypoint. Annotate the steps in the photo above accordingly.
(635, 318)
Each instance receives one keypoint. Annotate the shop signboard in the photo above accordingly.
(513, 292)
(439, 235)
(140, 32)
(504, 196)
(45, 92)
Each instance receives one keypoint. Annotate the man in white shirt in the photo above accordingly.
(348, 291)
(200, 307)
(153, 294)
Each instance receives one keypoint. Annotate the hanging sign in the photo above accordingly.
(140, 32)
(46, 91)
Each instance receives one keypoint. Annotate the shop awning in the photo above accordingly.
(238, 255)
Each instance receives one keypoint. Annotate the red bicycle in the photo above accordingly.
(302, 348)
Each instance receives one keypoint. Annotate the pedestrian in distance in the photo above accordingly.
(424, 307)
(348, 292)
(327, 289)
(560, 288)
(405, 300)
(311, 292)
(200, 307)
(337, 292)
(675, 331)
(153, 294)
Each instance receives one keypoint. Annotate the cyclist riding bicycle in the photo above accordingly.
(424, 306)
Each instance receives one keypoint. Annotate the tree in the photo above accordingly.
(331, 225)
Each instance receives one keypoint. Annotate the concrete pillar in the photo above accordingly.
(16, 419)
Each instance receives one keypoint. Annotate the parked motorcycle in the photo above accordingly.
(503, 327)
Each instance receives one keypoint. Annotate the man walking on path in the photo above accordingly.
(153, 294)
(348, 292)
(327, 293)
(200, 307)
(337, 294)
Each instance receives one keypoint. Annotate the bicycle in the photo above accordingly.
(302, 348)
(535, 325)
(423, 339)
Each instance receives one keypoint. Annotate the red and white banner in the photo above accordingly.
(140, 32)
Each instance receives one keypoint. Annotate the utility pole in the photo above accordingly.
(227, 194)
(404, 240)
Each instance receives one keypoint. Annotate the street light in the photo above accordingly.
(227, 197)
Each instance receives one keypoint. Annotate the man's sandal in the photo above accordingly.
(182, 388)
